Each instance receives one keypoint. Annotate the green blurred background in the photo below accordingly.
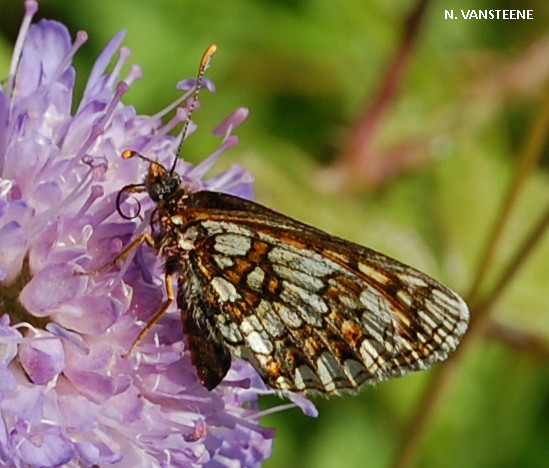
(445, 148)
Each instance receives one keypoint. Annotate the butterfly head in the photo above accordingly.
(161, 184)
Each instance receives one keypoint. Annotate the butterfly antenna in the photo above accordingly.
(204, 64)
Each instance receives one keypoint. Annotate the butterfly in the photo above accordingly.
(313, 313)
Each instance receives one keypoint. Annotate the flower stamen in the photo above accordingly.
(124, 54)
(81, 38)
(31, 7)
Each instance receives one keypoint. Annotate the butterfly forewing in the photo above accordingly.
(310, 311)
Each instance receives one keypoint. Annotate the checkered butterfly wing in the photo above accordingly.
(310, 311)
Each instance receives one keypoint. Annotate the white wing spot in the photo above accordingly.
(231, 332)
(255, 278)
(413, 280)
(354, 370)
(232, 244)
(312, 263)
(305, 280)
(373, 273)
(259, 343)
(292, 294)
(405, 298)
(215, 227)
(222, 261)
(328, 369)
(287, 315)
(186, 239)
(369, 355)
(304, 377)
(225, 290)
(268, 317)
(250, 324)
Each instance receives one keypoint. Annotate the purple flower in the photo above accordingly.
(67, 393)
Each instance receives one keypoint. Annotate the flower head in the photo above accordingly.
(67, 393)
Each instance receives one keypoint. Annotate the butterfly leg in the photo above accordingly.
(146, 237)
(157, 315)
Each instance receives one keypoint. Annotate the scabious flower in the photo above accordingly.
(68, 395)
